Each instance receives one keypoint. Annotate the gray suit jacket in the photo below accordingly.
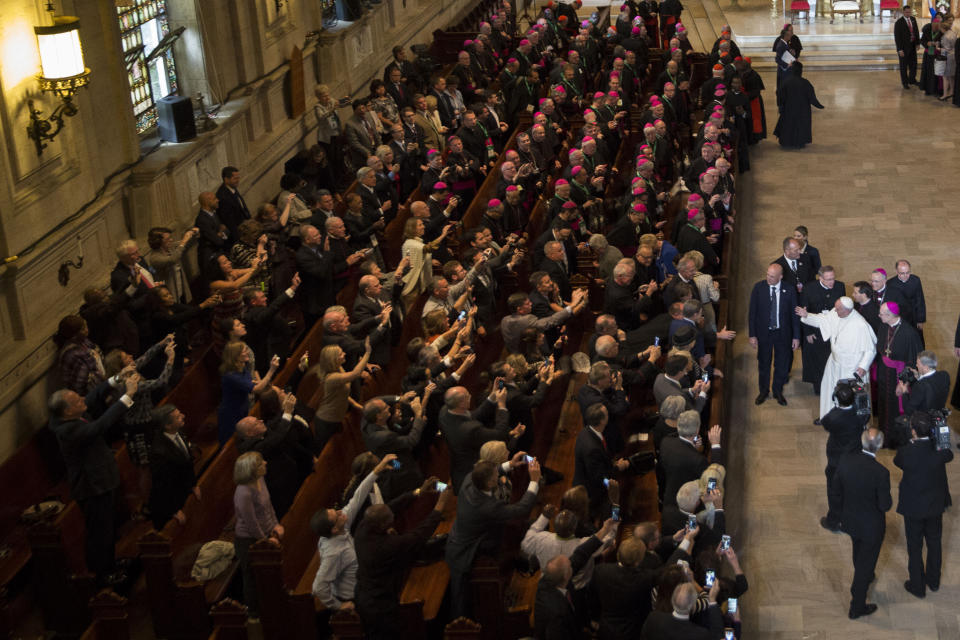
(479, 523)
(663, 388)
(513, 326)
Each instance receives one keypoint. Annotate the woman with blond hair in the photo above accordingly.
(335, 382)
(237, 382)
(420, 253)
(255, 520)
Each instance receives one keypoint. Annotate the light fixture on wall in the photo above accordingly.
(63, 72)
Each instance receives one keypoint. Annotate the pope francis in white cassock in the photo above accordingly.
(853, 345)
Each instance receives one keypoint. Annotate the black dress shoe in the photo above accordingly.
(832, 527)
(762, 397)
(867, 610)
(817, 422)
(780, 399)
(914, 590)
(933, 588)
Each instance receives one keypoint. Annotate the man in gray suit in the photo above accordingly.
(520, 318)
(362, 138)
(479, 524)
(669, 384)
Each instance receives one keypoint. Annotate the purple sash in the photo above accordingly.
(898, 366)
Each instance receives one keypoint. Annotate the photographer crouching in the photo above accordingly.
(924, 493)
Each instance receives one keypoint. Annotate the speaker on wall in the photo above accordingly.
(175, 115)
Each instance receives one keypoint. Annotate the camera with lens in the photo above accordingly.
(853, 392)
(907, 376)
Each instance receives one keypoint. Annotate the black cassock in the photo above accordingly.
(897, 348)
(738, 107)
(795, 97)
(955, 399)
(753, 85)
(816, 298)
(928, 81)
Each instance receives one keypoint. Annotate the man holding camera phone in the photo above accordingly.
(924, 495)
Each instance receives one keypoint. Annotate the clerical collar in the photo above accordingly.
(872, 455)
(825, 287)
(680, 616)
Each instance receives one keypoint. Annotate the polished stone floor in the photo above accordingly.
(879, 183)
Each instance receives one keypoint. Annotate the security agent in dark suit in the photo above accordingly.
(661, 625)
(774, 330)
(232, 210)
(797, 271)
(383, 559)
(845, 427)
(554, 617)
(861, 488)
(171, 468)
(593, 459)
(924, 495)
(906, 36)
(464, 430)
(931, 389)
(478, 526)
(92, 472)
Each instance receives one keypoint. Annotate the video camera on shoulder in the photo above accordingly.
(932, 424)
(853, 391)
(907, 376)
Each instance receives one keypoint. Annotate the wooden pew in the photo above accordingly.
(229, 621)
(110, 622)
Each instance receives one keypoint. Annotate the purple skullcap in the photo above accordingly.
(559, 89)
(484, 24)
(635, 31)
(694, 197)
(681, 28)
(439, 186)
(467, 43)
(640, 207)
(636, 179)
(571, 52)
(494, 203)
(512, 187)
(569, 204)
(644, 147)
(542, 100)
(431, 153)
(623, 6)
(658, 121)
(719, 91)
(638, 190)
(513, 60)
(613, 94)
(674, 49)
(647, 126)
(893, 307)
(560, 182)
(703, 174)
(614, 74)
(524, 42)
(576, 170)
(598, 94)
(693, 213)
(585, 24)
(587, 139)
(538, 113)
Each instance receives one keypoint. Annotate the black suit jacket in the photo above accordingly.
(316, 275)
(759, 319)
(210, 241)
(620, 302)
(562, 278)
(683, 463)
(365, 308)
(663, 626)
(466, 434)
(924, 492)
(803, 275)
(91, 467)
(479, 523)
(928, 393)
(232, 209)
(862, 487)
(845, 428)
(592, 463)
(172, 479)
(267, 331)
(624, 596)
(553, 615)
(902, 36)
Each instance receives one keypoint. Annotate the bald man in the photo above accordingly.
(213, 233)
(466, 431)
(774, 331)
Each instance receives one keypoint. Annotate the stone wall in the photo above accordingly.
(98, 182)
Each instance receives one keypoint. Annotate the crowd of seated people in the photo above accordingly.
(366, 264)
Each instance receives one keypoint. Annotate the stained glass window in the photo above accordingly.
(143, 24)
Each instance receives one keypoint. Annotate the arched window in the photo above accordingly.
(148, 54)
